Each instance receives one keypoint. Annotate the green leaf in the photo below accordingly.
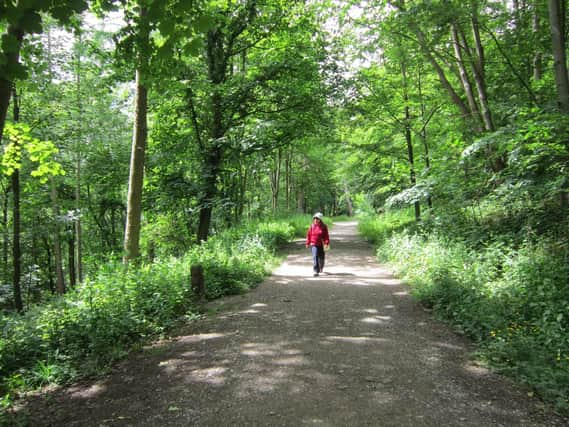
(204, 23)
(31, 23)
(13, 72)
(166, 27)
(194, 47)
(10, 43)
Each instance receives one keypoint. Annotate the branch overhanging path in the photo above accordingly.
(348, 348)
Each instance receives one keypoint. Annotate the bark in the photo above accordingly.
(409, 139)
(78, 261)
(288, 177)
(16, 250)
(478, 66)
(423, 134)
(136, 176)
(537, 59)
(275, 180)
(16, 253)
(71, 261)
(349, 203)
(212, 152)
(557, 10)
(456, 99)
(138, 150)
(59, 279)
(5, 235)
(465, 79)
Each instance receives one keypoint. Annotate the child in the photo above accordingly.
(317, 238)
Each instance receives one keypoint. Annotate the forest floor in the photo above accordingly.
(348, 348)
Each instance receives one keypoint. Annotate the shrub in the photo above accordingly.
(117, 308)
(514, 301)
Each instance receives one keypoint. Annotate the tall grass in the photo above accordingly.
(511, 299)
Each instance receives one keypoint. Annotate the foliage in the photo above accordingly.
(40, 152)
(513, 300)
(84, 331)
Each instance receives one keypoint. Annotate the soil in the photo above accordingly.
(348, 348)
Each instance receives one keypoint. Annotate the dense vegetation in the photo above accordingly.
(142, 138)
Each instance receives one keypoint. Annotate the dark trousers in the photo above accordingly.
(317, 258)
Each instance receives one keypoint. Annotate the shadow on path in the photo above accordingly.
(348, 348)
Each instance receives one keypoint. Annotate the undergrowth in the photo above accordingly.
(509, 294)
(117, 309)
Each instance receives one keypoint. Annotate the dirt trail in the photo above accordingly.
(348, 348)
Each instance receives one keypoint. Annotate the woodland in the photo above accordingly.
(141, 138)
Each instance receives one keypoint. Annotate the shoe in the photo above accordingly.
(315, 274)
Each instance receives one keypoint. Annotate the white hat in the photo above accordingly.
(317, 215)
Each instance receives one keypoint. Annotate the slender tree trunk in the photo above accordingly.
(16, 254)
(138, 151)
(5, 234)
(16, 220)
(136, 176)
(348, 197)
(50, 273)
(456, 99)
(557, 11)
(423, 134)
(275, 180)
(71, 260)
(288, 178)
(465, 79)
(78, 232)
(60, 280)
(408, 138)
(478, 69)
(537, 59)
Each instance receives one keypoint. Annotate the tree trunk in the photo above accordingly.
(212, 152)
(71, 260)
(537, 59)
(275, 180)
(479, 78)
(16, 250)
(136, 176)
(423, 134)
(60, 280)
(456, 99)
(557, 10)
(465, 79)
(16, 254)
(138, 150)
(78, 237)
(5, 235)
(288, 177)
(408, 139)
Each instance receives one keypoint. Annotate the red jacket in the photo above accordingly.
(317, 235)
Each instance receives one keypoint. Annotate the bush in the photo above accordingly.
(117, 308)
(514, 301)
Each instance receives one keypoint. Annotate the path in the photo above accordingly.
(348, 348)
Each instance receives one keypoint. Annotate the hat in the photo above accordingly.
(317, 215)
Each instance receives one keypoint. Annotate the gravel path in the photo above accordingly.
(348, 348)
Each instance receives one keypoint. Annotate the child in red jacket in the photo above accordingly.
(317, 238)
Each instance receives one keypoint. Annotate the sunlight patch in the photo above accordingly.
(356, 340)
(376, 319)
(200, 337)
(209, 375)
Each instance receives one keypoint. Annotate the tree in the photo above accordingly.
(23, 18)
(557, 16)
